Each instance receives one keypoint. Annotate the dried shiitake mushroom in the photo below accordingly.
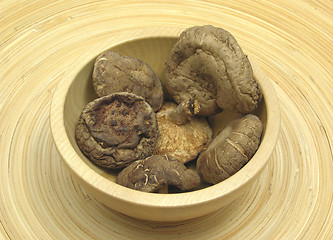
(115, 73)
(206, 73)
(181, 136)
(117, 129)
(231, 149)
(157, 171)
(208, 65)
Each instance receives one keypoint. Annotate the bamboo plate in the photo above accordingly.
(291, 41)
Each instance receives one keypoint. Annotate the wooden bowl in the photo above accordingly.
(75, 91)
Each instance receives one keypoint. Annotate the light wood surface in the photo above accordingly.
(291, 41)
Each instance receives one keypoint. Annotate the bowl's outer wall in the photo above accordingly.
(159, 213)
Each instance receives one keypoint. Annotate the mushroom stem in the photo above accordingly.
(163, 189)
(181, 114)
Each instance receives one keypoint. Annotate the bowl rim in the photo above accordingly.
(114, 190)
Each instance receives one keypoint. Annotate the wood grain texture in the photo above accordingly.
(291, 41)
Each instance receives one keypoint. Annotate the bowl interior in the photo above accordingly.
(153, 51)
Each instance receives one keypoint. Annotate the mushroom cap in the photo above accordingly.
(231, 149)
(117, 129)
(156, 171)
(207, 64)
(183, 142)
(115, 73)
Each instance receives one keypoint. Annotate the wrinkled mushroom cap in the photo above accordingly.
(117, 129)
(208, 65)
(183, 142)
(115, 73)
(231, 149)
(156, 171)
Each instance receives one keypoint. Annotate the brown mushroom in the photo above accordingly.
(230, 150)
(156, 172)
(117, 129)
(115, 73)
(181, 135)
(208, 65)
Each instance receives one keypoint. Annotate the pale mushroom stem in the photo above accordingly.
(182, 113)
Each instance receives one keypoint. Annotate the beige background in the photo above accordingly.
(291, 41)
